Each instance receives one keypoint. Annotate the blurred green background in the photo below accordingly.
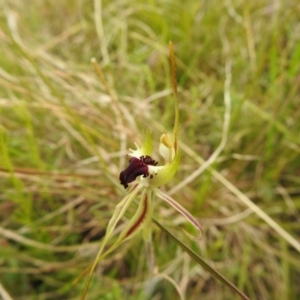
(64, 140)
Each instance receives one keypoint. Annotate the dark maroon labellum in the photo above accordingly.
(137, 167)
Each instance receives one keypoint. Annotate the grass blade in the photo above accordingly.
(201, 262)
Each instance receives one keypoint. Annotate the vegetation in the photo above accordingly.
(64, 136)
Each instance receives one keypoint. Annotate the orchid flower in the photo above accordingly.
(142, 178)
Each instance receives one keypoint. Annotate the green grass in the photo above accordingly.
(64, 138)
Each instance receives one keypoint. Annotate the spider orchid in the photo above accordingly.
(143, 176)
(150, 177)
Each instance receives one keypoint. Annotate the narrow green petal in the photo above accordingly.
(136, 223)
(179, 208)
(118, 213)
(138, 220)
(121, 208)
(147, 229)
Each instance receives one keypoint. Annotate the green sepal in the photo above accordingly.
(147, 229)
(137, 222)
